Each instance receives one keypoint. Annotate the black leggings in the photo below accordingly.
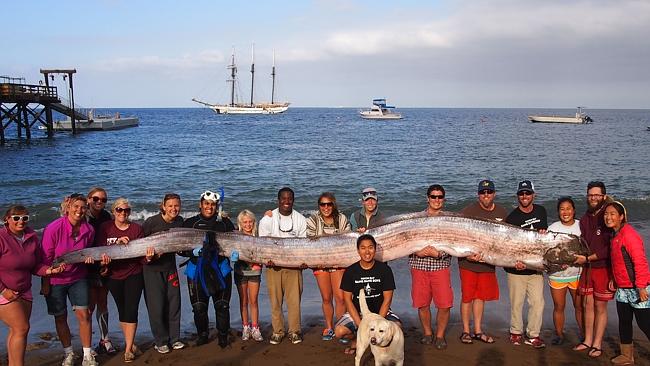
(127, 294)
(625, 315)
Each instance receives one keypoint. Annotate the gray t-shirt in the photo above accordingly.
(155, 224)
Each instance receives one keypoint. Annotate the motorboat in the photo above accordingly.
(380, 110)
(579, 118)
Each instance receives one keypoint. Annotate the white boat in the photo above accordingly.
(380, 110)
(247, 108)
(579, 118)
(96, 123)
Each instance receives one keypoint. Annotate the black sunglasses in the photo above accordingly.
(125, 210)
(326, 204)
(486, 191)
(436, 197)
(23, 218)
(524, 193)
(97, 199)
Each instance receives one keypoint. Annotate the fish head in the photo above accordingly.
(563, 254)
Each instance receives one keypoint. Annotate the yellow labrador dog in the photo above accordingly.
(385, 338)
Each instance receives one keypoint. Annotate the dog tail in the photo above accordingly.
(362, 303)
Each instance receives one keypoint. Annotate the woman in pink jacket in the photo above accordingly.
(20, 257)
(630, 270)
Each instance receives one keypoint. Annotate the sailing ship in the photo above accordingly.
(247, 108)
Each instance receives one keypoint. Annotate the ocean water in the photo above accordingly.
(324, 149)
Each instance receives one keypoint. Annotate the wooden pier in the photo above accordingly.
(26, 105)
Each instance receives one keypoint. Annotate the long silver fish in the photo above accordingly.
(499, 244)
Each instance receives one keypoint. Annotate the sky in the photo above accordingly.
(338, 53)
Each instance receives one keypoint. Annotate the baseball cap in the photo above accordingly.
(486, 184)
(525, 186)
(369, 193)
(210, 196)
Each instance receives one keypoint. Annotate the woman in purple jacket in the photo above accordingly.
(20, 257)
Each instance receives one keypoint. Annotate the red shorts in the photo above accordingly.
(431, 285)
(478, 285)
(596, 282)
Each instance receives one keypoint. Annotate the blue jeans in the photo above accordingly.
(77, 292)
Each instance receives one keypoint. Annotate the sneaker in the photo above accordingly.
(89, 361)
(162, 349)
(223, 341)
(276, 338)
(516, 339)
(105, 346)
(257, 334)
(68, 359)
(536, 342)
(245, 333)
(426, 340)
(295, 338)
(178, 345)
(328, 334)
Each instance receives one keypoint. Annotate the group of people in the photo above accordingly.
(617, 257)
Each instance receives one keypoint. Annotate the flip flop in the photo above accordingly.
(350, 351)
(466, 338)
(483, 338)
(595, 352)
(581, 347)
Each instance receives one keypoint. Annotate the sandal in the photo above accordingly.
(466, 338)
(483, 338)
(350, 351)
(427, 339)
(344, 341)
(595, 352)
(581, 347)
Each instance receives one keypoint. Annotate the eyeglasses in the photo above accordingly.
(283, 230)
(23, 218)
(524, 193)
(326, 204)
(97, 199)
(486, 191)
(595, 195)
(126, 210)
(436, 197)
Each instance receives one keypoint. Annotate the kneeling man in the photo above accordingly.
(377, 281)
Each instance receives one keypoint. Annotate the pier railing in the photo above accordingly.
(11, 91)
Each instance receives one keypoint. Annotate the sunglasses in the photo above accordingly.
(326, 204)
(486, 191)
(371, 193)
(23, 218)
(97, 199)
(436, 197)
(525, 193)
(125, 210)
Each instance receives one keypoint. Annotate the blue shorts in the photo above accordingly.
(77, 292)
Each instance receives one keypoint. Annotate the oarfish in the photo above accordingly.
(498, 243)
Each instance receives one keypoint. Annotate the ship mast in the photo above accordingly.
(252, 71)
(233, 75)
(273, 79)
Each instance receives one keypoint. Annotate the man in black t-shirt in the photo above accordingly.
(376, 279)
(523, 282)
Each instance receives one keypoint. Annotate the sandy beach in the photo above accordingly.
(313, 351)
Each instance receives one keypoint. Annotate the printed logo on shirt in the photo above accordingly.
(529, 224)
(370, 291)
(111, 241)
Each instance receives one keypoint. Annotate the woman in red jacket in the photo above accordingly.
(630, 270)
(20, 257)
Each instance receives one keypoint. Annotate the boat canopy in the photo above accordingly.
(381, 102)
